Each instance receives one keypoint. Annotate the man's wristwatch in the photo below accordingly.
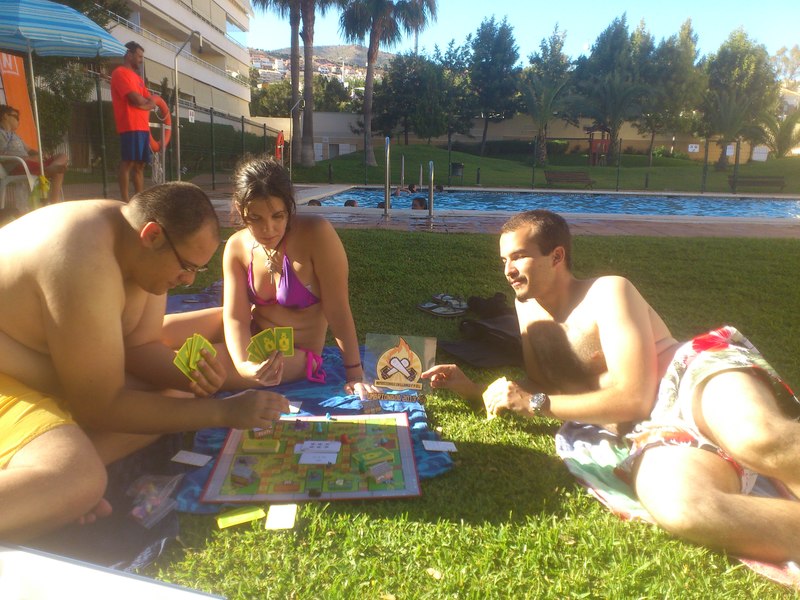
(539, 403)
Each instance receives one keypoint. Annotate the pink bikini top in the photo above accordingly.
(290, 291)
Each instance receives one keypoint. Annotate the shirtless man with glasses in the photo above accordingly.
(82, 298)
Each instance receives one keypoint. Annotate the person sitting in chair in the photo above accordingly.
(13, 145)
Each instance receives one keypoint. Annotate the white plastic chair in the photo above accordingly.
(7, 179)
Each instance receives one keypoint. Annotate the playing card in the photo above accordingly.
(266, 342)
(181, 359)
(254, 352)
(284, 337)
(188, 356)
(200, 343)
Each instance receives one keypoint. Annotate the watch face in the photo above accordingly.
(539, 402)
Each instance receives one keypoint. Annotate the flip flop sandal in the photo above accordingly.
(451, 301)
(440, 310)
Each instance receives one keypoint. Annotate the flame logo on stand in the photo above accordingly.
(399, 367)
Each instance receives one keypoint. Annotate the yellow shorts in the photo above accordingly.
(24, 415)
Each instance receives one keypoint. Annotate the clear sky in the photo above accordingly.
(774, 23)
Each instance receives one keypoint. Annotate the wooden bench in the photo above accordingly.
(582, 177)
(750, 181)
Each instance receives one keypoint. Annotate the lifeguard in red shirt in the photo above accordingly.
(132, 105)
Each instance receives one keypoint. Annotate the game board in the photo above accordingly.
(317, 458)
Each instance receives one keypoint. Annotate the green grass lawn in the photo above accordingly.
(508, 521)
(667, 174)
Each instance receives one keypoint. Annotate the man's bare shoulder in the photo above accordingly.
(77, 235)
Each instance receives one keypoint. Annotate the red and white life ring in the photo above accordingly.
(279, 147)
(164, 115)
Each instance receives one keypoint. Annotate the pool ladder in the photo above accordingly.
(387, 186)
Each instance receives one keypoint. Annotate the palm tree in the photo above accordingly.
(613, 100)
(292, 8)
(544, 99)
(384, 22)
(308, 12)
(781, 135)
(727, 117)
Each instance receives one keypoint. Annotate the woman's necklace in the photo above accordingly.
(272, 263)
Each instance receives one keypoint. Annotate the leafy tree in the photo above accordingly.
(544, 86)
(98, 10)
(675, 85)
(273, 100)
(782, 134)
(493, 71)
(406, 87)
(787, 64)
(609, 82)
(330, 95)
(292, 9)
(382, 23)
(742, 86)
(457, 100)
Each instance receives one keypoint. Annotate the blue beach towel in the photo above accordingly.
(316, 398)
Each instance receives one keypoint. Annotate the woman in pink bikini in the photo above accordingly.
(285, 270)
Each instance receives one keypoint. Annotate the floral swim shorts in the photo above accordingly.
(671, 421)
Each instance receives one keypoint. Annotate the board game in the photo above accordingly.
(317, 458)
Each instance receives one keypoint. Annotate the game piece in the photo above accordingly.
(261, 445)
(381, 472)
(364, 460)
(243, 475)
(240, 515)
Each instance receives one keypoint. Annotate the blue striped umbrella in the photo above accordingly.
(52, 29)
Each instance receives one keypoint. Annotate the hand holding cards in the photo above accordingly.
(189, 354)
(264, 343)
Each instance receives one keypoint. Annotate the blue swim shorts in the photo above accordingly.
(135, 146)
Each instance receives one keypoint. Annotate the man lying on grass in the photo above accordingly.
(709, 414)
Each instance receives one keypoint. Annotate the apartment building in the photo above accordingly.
(214, 65)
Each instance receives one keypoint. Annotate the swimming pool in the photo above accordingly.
(622, 204)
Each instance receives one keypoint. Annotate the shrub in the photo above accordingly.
(557, 147)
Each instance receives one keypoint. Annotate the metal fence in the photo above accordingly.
(211, 143)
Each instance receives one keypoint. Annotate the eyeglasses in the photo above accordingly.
(185, 265)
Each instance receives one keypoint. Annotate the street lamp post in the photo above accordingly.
(302, 104)
(178, 101)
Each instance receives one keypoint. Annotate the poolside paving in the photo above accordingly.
(490, 222)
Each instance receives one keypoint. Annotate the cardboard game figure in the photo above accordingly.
(396, 362)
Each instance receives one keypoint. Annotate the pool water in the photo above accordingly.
(623, 204)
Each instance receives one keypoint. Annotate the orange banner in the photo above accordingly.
(14, 92)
